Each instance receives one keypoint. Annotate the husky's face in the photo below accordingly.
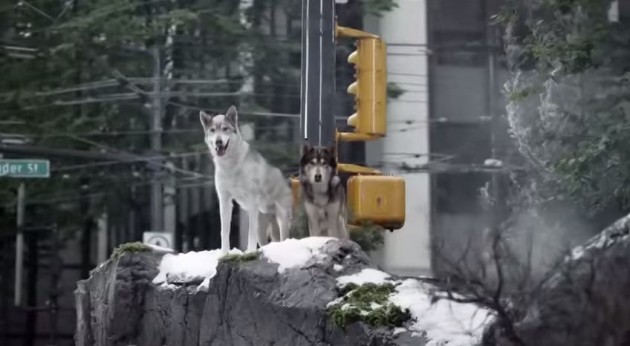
(318, 164)
(220, 131)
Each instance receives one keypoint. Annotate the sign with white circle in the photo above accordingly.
(161, 239)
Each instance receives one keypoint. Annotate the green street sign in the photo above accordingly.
(24, 168)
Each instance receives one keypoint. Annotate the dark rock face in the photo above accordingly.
(585, 301)
(247, 303)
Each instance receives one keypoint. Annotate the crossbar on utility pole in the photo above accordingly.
(317, 122)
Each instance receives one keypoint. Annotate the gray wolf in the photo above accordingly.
(244, 176)
(323, 195)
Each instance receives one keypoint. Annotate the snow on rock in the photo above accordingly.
(493, 163)
(399, 330)
(190, 267)
(602, 240)
(160, 248)
(367, 275)
(444, 322)
(294, 253)
(576, 253)
(200, 267)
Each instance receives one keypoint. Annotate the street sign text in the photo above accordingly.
(24, 168)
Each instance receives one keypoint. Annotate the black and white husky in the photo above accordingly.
(322, 192)
(243, 175)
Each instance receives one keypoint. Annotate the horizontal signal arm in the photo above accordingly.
(342, 31)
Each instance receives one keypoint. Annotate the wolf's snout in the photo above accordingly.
(221, 147)
(318, 178)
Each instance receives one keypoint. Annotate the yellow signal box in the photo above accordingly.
(295, 191)
(370, 87)
(377, 198)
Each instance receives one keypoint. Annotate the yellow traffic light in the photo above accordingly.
(377, 198)
(372, 197)
(370, 88)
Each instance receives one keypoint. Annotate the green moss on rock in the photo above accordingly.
(240, 258)
(368, 235)
(368, 303)
(134, 247)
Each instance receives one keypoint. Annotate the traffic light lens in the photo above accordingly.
(353, 88)
(353, 58)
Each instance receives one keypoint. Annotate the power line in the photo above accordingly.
(69, 197)
(128, 156)
(130, 96)
(429, 167)
(138, 80)
(116, 133)
(419, 124)
(37, 10)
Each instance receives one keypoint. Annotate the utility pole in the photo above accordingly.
(86, 236)
(498, 212)
(157, 206)
(317, 92)
(169, 186)
(19, 244)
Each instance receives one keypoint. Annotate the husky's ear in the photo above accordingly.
(306, 147)
(232, 116)
(205, 118)
(332, 149)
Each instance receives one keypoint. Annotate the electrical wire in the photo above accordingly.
(149, 161)
(69, 197)
(419, 124)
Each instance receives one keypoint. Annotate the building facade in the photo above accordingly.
(447, 58)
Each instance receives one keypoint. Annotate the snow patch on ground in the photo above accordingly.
(294, 253)
(190, 266)
(443, 322)
(337, 267)
(367, 275)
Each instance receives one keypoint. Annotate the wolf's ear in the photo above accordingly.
(232, 116)
(205, 118)
(306, 147)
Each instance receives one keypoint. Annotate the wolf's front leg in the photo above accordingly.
(284, 216)
(225, 212)
(252, 238)
(332, 220)
(342, 228)
(264, 221)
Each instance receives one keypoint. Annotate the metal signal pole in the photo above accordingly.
(317, 122)
(157, 202)
(19, 244)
